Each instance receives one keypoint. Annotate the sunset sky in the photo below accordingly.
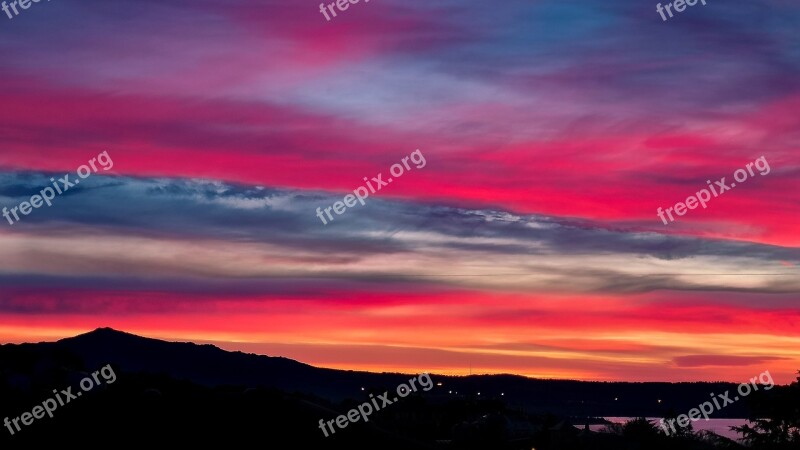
(529, 243)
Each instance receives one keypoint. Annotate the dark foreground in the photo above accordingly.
(142, 405)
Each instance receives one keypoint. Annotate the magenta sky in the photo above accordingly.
(528, 244)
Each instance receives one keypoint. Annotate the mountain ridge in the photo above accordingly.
(209, 365)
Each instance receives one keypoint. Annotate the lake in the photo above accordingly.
(719, 426)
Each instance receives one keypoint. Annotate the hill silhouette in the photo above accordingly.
(197, 394)
(210, 366)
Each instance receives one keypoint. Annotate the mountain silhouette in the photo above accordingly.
(210, 366)
(181, 394)
(196, 395)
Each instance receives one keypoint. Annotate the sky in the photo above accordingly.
(524, 237)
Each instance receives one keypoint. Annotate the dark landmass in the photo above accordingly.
(186, 394)
(210, 366)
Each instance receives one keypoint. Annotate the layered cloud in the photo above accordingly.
(146, 253)
(530, 241)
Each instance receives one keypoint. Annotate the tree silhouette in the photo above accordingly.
(776, 419)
